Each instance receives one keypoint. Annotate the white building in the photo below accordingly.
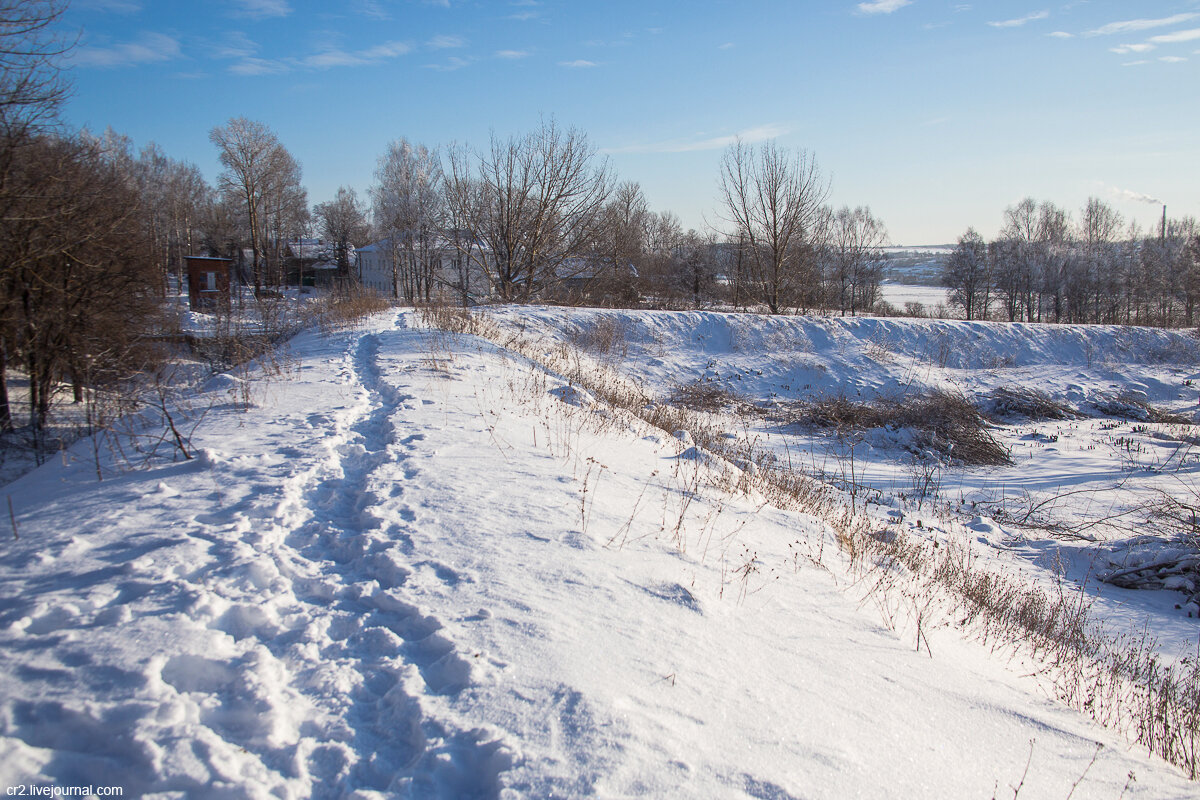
(453, 272)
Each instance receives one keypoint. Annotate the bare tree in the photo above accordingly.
(174, 197)
(32, 88)
(343, 222)
(263, 176)
(657, 272)
(1092, 290)
(534, 203)
(76, 277)
(1054, 232)
(773, 199)
(967, 275)
(31, 82)
(856, 243)
(622, 245)
(409, 210)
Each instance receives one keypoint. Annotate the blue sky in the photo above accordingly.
(936, 114)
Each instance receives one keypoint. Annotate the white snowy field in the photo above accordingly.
(930, 297)
(421, 566)
(1093, 475)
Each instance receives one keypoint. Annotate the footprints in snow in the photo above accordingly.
(378, 646)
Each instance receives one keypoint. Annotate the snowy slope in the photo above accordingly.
(423, 567)
(1094, 474)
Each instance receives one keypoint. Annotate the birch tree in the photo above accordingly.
(856, 244)
(409, 210)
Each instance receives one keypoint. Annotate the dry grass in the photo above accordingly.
(945, 423)
(348, 304)
(1133, 407)
(1018, 401)
(1120, 682)
(603, 337)
(710, 397)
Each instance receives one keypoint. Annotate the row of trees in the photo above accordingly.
(75, 276)
(1046, 267)
(540, 212)
(93, 234)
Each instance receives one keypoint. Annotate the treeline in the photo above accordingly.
(94, 235)
(75, 281)
(1046, 267)
(541, 217)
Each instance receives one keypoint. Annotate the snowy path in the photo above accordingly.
(422, 568)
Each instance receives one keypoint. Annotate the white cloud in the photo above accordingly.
(1137, 197)
(446, 42)
(1061, 35)
(387, 50)
(578, 63)
(336, 57)
(1137, 63)
(149, 48)
(372, 9)
(882, 6)
(115, 6)
(262, 9)
(333, 57)
(1019, 21)
(1190, 35)
(235, 45)
(760, 133)
(512, 54)
(1132, 25)
(1172, 59)
(259, 66)
(450, 65)
(727, 46)
(1125, 49)
(327, 58)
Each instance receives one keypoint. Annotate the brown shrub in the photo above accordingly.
(945, 423)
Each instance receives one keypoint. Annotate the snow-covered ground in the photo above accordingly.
(930, 297)
(1095, 474)
(422, 566)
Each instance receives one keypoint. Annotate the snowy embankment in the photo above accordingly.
(423, 567)
(1090, 481)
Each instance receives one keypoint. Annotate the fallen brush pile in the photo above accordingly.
(944, 424)
(1018, 401)
(1131, 407)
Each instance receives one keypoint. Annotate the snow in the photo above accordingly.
(421, 566)
(930, 297)
(1094, 473)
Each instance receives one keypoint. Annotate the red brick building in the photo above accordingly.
(208, 281)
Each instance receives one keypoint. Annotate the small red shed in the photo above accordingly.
(208, 281)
